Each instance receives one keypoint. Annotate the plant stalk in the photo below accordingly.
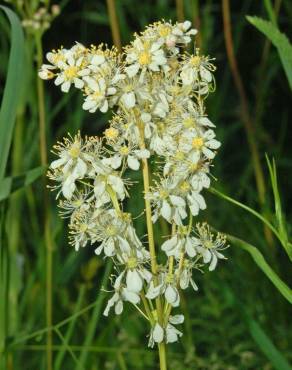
(114, 24)
(47, 232)
(150, 233)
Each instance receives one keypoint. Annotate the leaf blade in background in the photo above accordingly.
(12, 90)
(267, 346)
(11, 184)
(259, 259)
(279, 40)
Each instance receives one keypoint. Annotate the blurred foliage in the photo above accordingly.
(238, 319)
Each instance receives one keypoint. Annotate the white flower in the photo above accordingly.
(143, 55)
(131, 155)
(156, 335)
(197, 140)
(110, 231)
(97, 97)
(196, 202)
(197, 68)
(46, 72)
(169, 206)
(208, 246)
(172, 334)
(178, 243)
(107, 180)
(121, 294)
(71, 164)
(185, 275)
(72, 66)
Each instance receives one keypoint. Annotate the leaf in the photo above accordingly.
(267, 346)
(278, 208)
(10, 184)
(259, 335)
(264, 266)
(12, 90)
(279, 40)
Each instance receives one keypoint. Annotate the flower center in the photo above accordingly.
(185, 187)
(128, 88)
(111, 133)
(163, 194)
(195, 61)
(164, 31)
(97, 94)
(83, 228)
(144, 58)
(124, 150)
(208, 244)
(197, 143)
(132, 262)
(189, 122)
(71, 72)
(193, 167)
(75, 150)
(111, 230)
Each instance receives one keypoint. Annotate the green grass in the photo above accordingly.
(241, 316)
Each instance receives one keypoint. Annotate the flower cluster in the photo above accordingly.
(41, 19)
(157, 93)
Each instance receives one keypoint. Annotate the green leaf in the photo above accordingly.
(279, 40)
(264, 266)
(12, 90)
(10, 184)
(263, 341)
(281, 225)
(267, 346)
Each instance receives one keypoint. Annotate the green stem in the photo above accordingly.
(150, 233)
(47, 231)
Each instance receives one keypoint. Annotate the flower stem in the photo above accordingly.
(150, 233)
(47, 222)
(162, 356)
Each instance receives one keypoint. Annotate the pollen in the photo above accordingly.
(75, 150)
(111, 133)
(132, 262)
(164, 31)
(197, 143)
(185, 187)
(124, 150)
(71, 72)
(195, 61)
(144, 58)
(83, 228)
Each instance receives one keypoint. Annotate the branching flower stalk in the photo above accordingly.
(156, 91)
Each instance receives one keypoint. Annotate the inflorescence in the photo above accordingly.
(156, 90)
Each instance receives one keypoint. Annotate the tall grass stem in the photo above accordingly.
(111, 6)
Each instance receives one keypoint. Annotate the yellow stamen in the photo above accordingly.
(71, 72)
(197, 143)
(144, 58)
(111, 133)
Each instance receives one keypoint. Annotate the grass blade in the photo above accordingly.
(267, 346)
(11, 184)
(259, 259)
(12, 90)
(94, 319)
(279, 40)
